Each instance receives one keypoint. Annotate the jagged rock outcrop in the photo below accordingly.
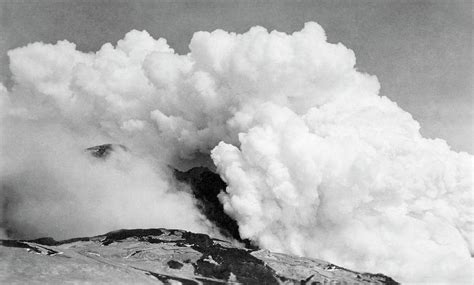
(162, 256)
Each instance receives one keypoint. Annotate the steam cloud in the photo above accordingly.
(317, 163)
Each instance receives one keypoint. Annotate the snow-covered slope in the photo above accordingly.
(154, 256)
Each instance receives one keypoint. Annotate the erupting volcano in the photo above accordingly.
(265, 139)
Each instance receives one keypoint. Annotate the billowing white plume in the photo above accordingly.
(317, 163)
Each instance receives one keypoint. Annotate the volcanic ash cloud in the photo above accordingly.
(316, 162)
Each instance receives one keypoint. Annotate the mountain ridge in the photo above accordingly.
(163, 255)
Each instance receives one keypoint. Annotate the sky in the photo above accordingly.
(421, 51)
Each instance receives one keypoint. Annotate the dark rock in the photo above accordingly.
(206, 185)
(174, 264)
(104, 151)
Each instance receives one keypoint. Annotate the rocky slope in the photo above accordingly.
(162, 256)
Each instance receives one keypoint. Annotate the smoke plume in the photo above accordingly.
(316, 161)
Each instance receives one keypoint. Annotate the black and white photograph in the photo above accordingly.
(236, 142)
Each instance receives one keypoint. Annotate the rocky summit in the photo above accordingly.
(162, 256)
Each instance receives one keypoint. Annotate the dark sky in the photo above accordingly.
(421, 51)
